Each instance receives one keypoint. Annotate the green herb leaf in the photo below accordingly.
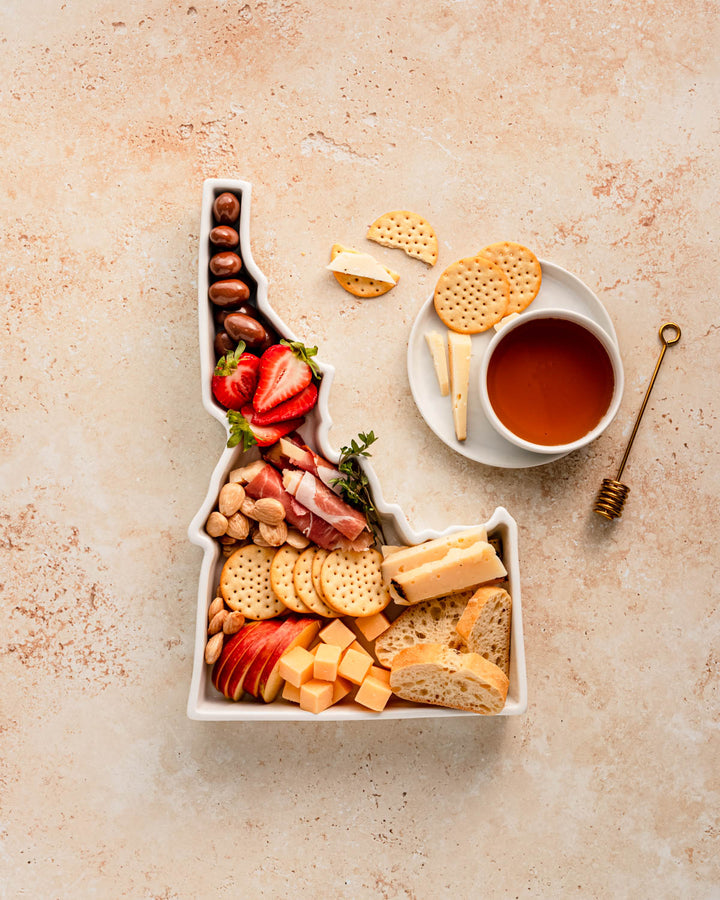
(354, 485)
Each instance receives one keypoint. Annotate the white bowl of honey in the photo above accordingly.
(551, 381)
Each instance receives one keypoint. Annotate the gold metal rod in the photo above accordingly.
(666, 341)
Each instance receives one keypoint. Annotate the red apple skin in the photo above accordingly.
(229, 650)
(263, 640)
(247, 637)
(270, 680)
(283, 638)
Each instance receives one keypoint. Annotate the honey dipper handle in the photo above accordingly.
(669, 334)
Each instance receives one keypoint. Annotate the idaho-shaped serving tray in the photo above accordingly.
(204, 702)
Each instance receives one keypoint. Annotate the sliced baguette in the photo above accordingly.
(432, 673)
(429, 622)
(485, 625)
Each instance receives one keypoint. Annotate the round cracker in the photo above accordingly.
(281, 579)
(361, 287)
(317, 564)
(408, 231)
(245, 583)
(522, 270)
(304, 587)
(352, 582)
(471, 295)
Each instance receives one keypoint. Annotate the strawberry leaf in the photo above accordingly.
(305, 354)
(240, 431)
(227, 364)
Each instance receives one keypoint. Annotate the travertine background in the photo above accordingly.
(589, 132)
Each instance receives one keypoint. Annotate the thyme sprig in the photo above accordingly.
(354, 485)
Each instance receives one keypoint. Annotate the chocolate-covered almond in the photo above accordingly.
(247, 309)
(244, 328)
(224, 343)
(226, 208)
(229, 292)
(225, 263)
(224, 237)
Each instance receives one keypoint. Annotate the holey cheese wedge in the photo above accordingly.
(436, 345)
(412, 557)
(459, 350)
(458, 569)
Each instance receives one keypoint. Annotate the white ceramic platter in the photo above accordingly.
(204, 702)
(559, 290)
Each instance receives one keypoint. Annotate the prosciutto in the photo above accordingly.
(291, 452)
(268, 483)
(320, 500)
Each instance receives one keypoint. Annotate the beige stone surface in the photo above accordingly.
(588, 132)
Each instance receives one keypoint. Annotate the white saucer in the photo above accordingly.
(560, 290)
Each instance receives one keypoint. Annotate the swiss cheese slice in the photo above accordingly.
(436, 344)
(457, 570)
(430, 551)
(459, 350)
(361, 265)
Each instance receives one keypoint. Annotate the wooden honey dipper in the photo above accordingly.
(611, 496)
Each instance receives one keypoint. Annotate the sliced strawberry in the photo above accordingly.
(246, 432)
(235, 378)
(290, 409)
(285, 370)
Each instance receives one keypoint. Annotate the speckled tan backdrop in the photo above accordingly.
(588, 133)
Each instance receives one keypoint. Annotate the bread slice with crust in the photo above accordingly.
(485, 625)
(432, 621)
(441, 676)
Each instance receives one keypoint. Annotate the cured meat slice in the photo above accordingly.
(319, 499)
(291, 452)
(268, 483)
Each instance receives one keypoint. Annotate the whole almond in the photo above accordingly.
(258, 539)
(227, 540)
(231, 498)
(269, 510)
(216, 524)
(274, 534)
(248, 508)
(228, 550)
(238, 526)
(215, 607)
(296, 539)
(213, 648)
(217, 621)
(233, 623)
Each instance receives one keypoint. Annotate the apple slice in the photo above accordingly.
(260, 639)
(237, 652)
(230, 650)
(270, 680)
(283, 638)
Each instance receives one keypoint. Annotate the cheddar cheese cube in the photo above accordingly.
(338, 634)
(354, 665)
(356, 645)
(341, 688)
(372, 626)
(296, 666)
(373, 694)
(327, 660)
(380, 673)
(315, 696)
(291, 693)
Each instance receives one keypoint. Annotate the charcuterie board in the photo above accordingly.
(207, 703)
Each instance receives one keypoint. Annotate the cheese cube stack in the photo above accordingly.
(322, 676)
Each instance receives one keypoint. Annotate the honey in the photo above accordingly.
(550, 381)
